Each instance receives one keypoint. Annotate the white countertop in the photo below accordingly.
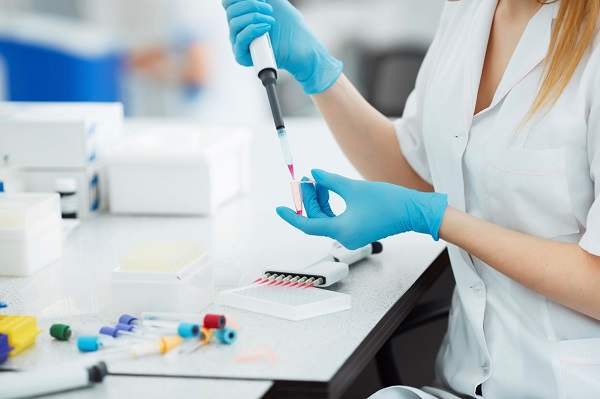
(243, 237)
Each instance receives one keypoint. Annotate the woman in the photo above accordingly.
(505, 120)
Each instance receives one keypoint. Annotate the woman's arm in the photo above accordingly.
(366, 136)
(562, 272)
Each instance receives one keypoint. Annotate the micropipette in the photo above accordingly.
(266, 69)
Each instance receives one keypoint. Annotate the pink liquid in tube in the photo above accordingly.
(297, 196)
(295, 185)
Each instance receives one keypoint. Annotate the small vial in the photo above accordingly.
(297, 196)
(66, 187)
(297, 193)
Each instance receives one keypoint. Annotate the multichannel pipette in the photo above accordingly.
(266, 68)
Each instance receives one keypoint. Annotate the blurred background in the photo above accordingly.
(172, 58)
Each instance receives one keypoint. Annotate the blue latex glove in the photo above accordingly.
(374, 210)
(295, 47)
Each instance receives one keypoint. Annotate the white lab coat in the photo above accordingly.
(502, 335)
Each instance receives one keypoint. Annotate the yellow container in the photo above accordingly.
(21, 331)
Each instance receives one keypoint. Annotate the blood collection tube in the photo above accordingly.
(91, 343)
(184, 329)
(61, 332)
(208, 320)
(158, 346)
(226, 335)
(116, 333)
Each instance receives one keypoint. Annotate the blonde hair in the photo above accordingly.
(573, 31)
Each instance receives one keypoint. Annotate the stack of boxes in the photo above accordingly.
(52, 141)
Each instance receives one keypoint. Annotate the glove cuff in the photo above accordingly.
(437, 206)
(327, 70)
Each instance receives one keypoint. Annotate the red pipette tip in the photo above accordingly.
(286, 283)
(293, 284)
(257, 280)
(299, 212)
(301, 285)
(273, 282)
(291, 168)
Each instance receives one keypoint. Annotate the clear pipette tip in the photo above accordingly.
(285, 147)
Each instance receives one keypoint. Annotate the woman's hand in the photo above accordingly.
(295, 47)
(374, 210)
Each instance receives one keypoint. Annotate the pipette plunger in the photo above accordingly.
(266, 69)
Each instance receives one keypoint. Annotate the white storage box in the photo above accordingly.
(91, 186)
(178, 169)
(163, 276)
(30, 232)
(58, 135)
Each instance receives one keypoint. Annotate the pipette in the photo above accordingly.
(266, 69)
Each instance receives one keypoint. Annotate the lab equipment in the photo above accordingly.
(21, 330)
(30, 232)
(322, 271)
(266, 69)
(184, 329)
(295, 47)
(285, 303)
(265, 66)
(5, 348)
(117, 332)
(47, 380)
(70, 139)
(226, 335)
(322, 274)
(91, 196)
(66, 135)
(163, 276)
(178, 169)
(213, 321)
(374, 210)
(11, 177)
(92, 343)
(297, 193)
(66, 187)
(61, 332)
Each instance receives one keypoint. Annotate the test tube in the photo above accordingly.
(296, 196)
(159, 346)
(116, 333)
(184, 329)
(297, 193)
(209, 320)
(91, 343)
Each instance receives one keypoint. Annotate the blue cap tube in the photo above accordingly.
(124, 327)
(88, 343)
(226, 335)
(188, 330)
(127, 319)
(106, 330)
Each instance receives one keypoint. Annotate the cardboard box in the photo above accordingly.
(30, 232)
(58, 135)
(91, 186)
(178, 169)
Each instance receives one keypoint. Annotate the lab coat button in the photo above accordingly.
(478, 288)
(485, 367)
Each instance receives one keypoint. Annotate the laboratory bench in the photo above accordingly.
(315, 358)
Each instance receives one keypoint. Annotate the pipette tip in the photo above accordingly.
(299, 212)
(291, 168)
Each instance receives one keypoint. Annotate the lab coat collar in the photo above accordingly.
(530, 52)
